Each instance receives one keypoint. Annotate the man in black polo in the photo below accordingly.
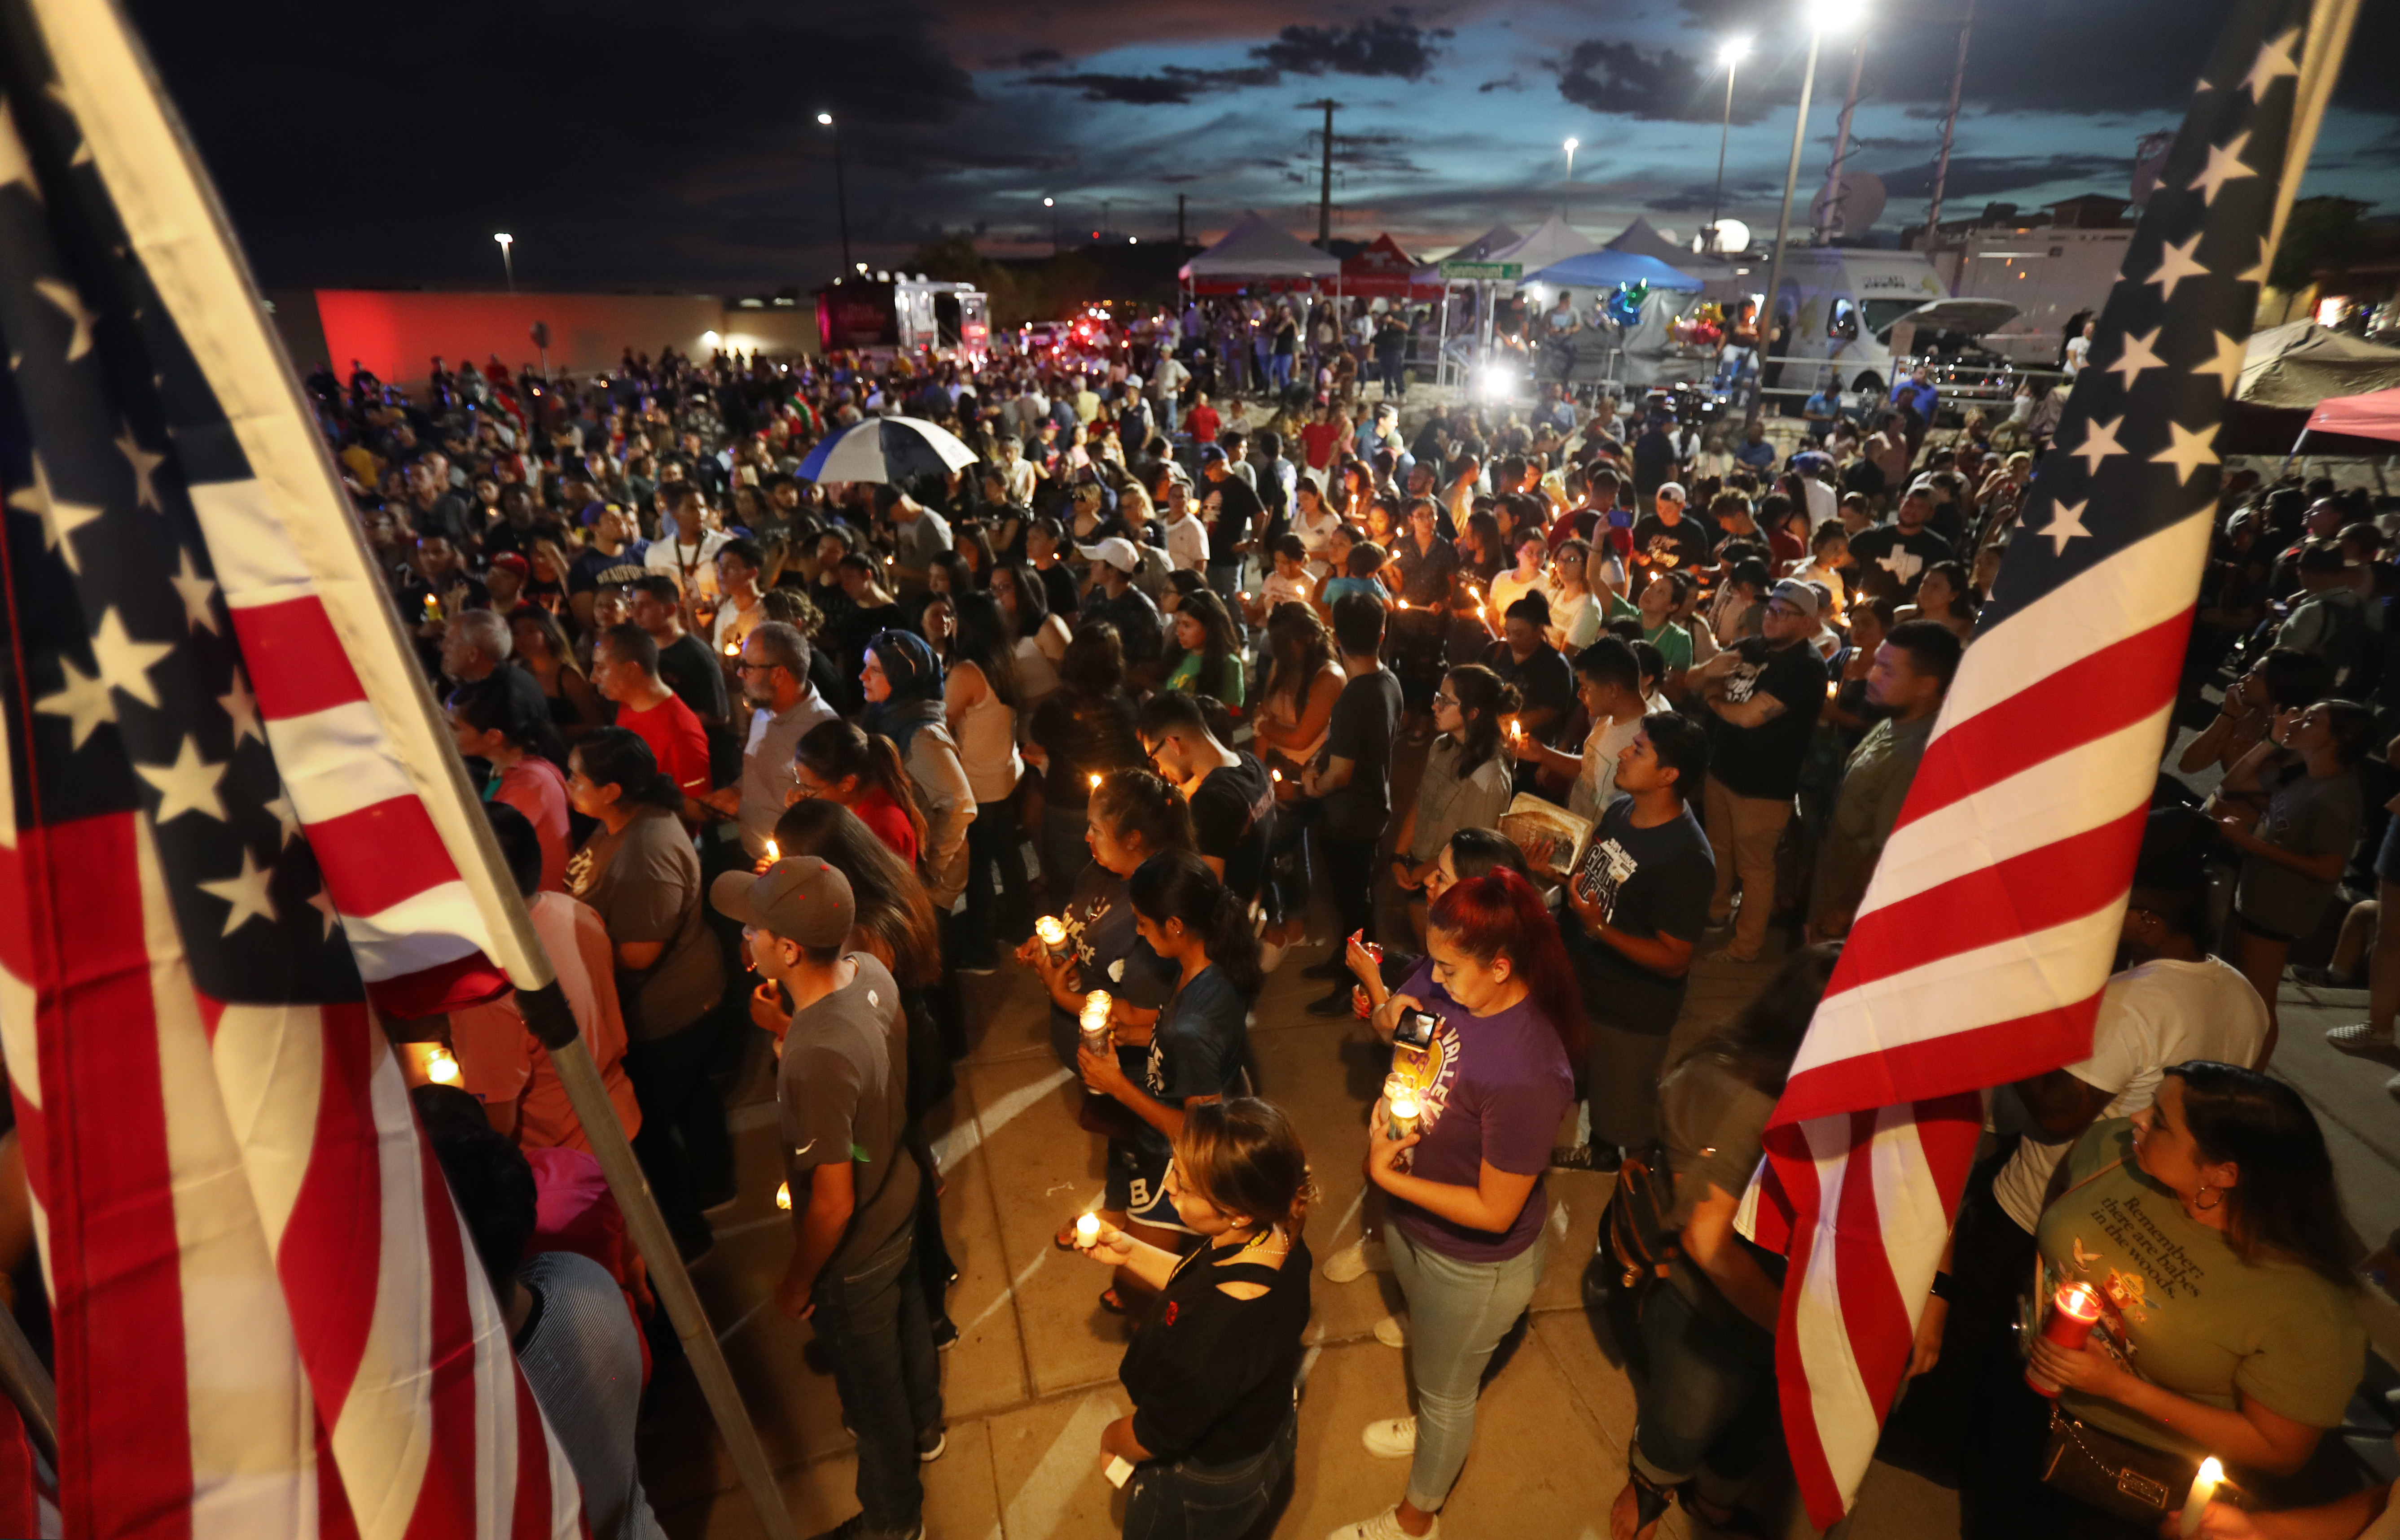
(1232, 799)
(1762, 697)
(1892, 558)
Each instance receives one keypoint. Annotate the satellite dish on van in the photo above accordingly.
(1848, 207)
(1732, 238)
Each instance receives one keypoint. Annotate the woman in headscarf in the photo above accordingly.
(903, 680)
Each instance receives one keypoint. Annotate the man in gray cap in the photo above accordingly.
(1762, 697)
(842, 1094)
(1113, 597)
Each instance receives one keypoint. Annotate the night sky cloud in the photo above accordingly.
(1625, 80)
(1383, 45)
(1983, 175)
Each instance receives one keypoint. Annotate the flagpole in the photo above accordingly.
(27, 1384)
(2329, 28)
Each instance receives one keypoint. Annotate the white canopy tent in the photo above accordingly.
(1555, 241)
(1255, 252)
(1478, 250)
(1643, 239)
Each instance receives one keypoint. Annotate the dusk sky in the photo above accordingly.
(639, 145)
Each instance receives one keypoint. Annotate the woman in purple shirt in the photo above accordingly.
(1464, 1192)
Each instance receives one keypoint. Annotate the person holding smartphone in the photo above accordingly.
(1641, 896)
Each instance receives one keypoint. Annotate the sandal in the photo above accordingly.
(1650, 1504)
(1065, 1239)
(1113, 1304)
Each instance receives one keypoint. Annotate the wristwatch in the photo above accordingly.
(1941, 1289)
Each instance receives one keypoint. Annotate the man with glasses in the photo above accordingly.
(774, 677)
(1231, 796)
(1763, 698)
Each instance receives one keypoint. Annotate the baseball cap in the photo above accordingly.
(1211, 453)
(1673, 492)
(1116, 550)
(800, 898)
(1799, 596)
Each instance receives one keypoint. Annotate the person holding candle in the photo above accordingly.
(1087, 728)
(1231, 796)
(1212, 1368)
(2210, 1228)
(841, 764)
(1466, 783)
(1350, 784)
(1700, 1342)
(1467, 1226)
(1196, 1043)
(903, 681)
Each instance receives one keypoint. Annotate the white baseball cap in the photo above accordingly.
(1116, 550)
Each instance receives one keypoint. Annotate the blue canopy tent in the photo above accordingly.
(1606, 269)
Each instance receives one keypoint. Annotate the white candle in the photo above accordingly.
(442, 1067)
(2204, 1487)
(1088, 1229)
(1051, 931)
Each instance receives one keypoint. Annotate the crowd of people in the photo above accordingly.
(1572, 693)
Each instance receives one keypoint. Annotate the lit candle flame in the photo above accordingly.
(1278, 775)
(1096, 780)
(733, 649)
(442, 1067)
(773, 854)
(1052, 930)
(783, 1196)
(1088, 1229)
(2203, 1489)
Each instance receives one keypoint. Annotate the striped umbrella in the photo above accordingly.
(886, 449)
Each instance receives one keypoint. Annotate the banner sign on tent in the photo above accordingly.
(1504, 272)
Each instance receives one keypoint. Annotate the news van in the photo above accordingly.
(1854, 310)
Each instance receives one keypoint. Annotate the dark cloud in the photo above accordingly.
(1383, 45)
(1173, 85)
(1037, 59)
(1629, 81)
(1509, 82)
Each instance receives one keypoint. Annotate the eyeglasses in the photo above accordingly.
(754, 668)
(1445, 699)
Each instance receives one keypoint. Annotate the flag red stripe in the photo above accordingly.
(330, 1256)
(1993, 1054)
(376, 857)
(531, 1519)
(2109, 690)
(445, 1503)
(1787, 1148)
(1987, 905)
(295, 656)
(114, 1256)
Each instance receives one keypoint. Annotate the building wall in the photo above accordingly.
(397, 335)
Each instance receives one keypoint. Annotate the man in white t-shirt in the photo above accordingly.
(1166, 383)
(1186, 537)
(2078, 349)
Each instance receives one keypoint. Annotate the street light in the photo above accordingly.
(508, 260)
(1735, 50)
(1051, 204)
(841, 191)
(1822, 15)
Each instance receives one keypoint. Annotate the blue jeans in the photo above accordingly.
(1185, 1500)
(873, 1325)
(1170, 415)
(1225, 581)
(1704, 1393)
(1458, 1311)
(1280, 368)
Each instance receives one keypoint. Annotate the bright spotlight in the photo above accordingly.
(1572, 146)
(1734, 50)
(826, 119)
(1835, 15)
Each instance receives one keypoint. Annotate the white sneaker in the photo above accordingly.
(1393, 1331)
(1383, 1526)
(1354, 1261)
(1393, 1438)
(2359, 1038)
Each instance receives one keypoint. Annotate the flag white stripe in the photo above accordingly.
(419, 932)
(496, 1406)
(1836, 1390)
(254, 562)
(249, 1424)
(2087, 787)
(269, 1063)
(337, 761)
(383, 1438)
(2019, 976)
(2144, 585)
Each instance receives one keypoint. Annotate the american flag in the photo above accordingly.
(1979, 952)
(226, 820)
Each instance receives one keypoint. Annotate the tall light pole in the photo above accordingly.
(508, 260)
(1571, 146)
(1051, 204)
(1821, 15)
(1735, 50)
(840, 190)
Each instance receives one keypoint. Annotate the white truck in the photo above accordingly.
(1854, 309)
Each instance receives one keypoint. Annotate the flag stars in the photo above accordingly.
(2275, 62)
(323, 902)
(287, 820)
(2137, 356)
(59, 518)
(64, 296)
(242, 706)
(126, 663)
(2065, 523)
(2099, 442)
(196, 591)
(190, 785)
(145, 466)
(2187, 450)
(2224, 164)
(246, 894)
(2177, 262)
(2231, 354)
(83, 699)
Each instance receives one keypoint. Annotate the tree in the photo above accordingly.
(2322, 234)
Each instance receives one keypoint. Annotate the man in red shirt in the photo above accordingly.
(1202, 419)
(1318, 437)
(625, 670)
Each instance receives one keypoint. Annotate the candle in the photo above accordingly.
(1088, 1229)
(1278, 775)
(1402, 1116)
(733, 649)
(772, 853)
(1093, 1024)
(2204, 1487)
(1096, 780)
(2075, 1310)
(1050, 929)
(783, 1196)
(1833, 687)
(442, 1066)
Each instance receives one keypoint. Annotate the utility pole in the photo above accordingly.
(1841, 148)
(841, 191)
(1180, 240)
(1949, 124)
(1325, 175)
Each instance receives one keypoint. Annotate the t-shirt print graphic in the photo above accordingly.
(1902, 562)
(1430, 1071)
(1742, 680)
(1608, 867)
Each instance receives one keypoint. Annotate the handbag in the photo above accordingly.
(2128, 1481)
(1637, 1246)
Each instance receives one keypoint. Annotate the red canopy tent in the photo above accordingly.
(2373, 416)
(1382, 271)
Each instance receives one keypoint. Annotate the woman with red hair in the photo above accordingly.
(1485, 1032)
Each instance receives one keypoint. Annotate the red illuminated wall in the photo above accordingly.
(397, 335)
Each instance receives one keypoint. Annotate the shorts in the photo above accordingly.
(1137, 1188)
(2251, 927)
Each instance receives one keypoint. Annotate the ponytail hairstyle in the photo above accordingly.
(838, 750)
(1137, 805)
(618, 757)
(982, 638)
(1243, 1155)
(1499, 914)
(1483, 699)
(489, 705)
(1179, 885)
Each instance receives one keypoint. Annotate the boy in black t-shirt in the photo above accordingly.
(1232, 798)
(1641, 895)
(1763, 698)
